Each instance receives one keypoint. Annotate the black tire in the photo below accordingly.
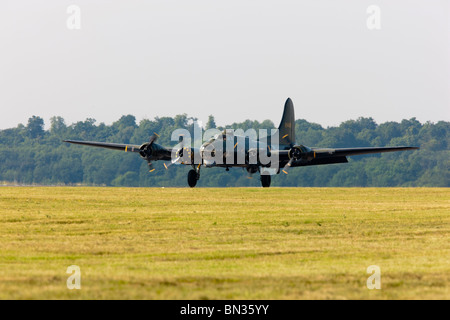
(265, 180)
(192, 178)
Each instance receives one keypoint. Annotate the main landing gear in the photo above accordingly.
(193, 176)
(265, 180)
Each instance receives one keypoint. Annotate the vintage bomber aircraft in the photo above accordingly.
(289, 154)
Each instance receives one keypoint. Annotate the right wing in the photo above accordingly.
(112, 146)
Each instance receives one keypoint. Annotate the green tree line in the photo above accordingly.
(29, 154)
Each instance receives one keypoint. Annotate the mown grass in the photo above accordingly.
(240, 243)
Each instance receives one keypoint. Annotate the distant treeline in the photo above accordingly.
(31, 155)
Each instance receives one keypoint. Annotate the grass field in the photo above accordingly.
(239, 243)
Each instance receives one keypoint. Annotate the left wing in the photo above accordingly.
(318, 156)
(328, 152)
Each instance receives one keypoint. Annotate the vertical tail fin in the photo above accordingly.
(286, 130)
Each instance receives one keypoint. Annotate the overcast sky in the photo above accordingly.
(235, 59)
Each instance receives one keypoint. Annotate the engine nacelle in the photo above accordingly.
(252, 169)
(145, 150)
(295, 153)
(301, 152)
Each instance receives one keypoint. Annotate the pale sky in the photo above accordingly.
(235, 59)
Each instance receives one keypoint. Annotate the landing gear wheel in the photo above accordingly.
(192, 178)
(265, 180)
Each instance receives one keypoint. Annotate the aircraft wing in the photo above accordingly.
(318, 156)
(342, 152)
(112, 146)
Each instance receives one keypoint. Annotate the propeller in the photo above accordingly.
(297, 153)
(180, 153)
(252, 154)
(251, 169)
(145, 150)
(294, 154)
(178, 158)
